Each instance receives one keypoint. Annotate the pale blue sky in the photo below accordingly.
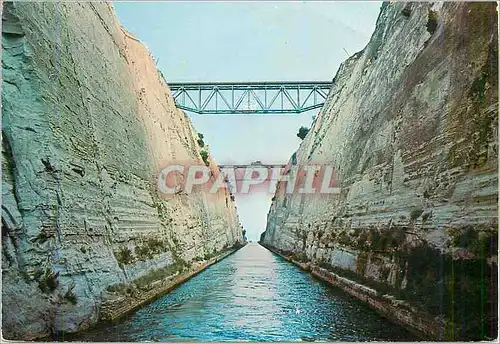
(250, 41)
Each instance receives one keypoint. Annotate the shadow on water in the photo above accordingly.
(252, 295)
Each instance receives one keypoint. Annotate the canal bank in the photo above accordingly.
(252, 295)
(116, 306)
(398, 311)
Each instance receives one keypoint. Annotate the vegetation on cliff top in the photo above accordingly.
(302, 132)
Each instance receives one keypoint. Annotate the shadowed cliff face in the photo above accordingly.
(88, 122)
(411, 128)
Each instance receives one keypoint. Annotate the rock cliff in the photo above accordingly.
(88, 121)
(410, 126)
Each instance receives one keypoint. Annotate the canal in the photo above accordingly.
(252, 295)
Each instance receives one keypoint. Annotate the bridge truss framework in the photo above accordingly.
(240, 175)
(250, 97)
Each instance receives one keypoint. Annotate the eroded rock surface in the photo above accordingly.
(410, 126)
(87, 123)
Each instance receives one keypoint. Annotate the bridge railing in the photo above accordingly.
(250, 97)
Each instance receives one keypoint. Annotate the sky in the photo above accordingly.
(250, 41)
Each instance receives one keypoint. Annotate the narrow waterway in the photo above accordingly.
(252, 295)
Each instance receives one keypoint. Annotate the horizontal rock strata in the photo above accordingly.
(410, 126)
(87, 123)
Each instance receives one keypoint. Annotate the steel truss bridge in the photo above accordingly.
(250, 97)
(240, 175)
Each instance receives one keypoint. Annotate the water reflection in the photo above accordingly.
(255, 292)
(252, 295)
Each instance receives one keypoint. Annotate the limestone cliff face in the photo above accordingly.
(87, 123)
(410, 126)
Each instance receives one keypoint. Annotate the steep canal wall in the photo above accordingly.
(410, 126)
(87, 123)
